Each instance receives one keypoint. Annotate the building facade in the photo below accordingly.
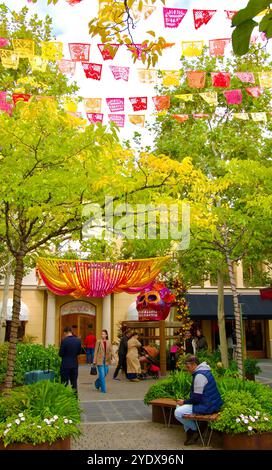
(44, 315)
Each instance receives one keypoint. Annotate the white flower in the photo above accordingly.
(238, 420)
(22, 418)
(46, 420)
(258, 413)
(246, 421)
(252, 419)
(6, 431)
(70, 421)
(256, 417)
(242, 416)
(56, 417)
(65, 421)
(265, 418)
(20, 415)
(17, 421)
(39, 427)
(8, 425)
(249, 428)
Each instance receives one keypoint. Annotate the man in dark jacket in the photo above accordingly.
(70, 348)
(204, 397)
(122, 355)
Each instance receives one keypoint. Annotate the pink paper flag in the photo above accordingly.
(6, 107)
(202, 17)
(118, 119)
(3, 96)
(92, 70)
(139, 103)
(245, 77)
(108, 51)
(233, 96)
(220, 79)
(79, 51)
(4, 42)
(115, 104)
(72, 2)
(255, 91)
(217, 47)
(173, 16)
(67, 66)
(120, 73)
(230, 13)
(95, 117)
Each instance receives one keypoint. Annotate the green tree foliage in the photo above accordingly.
(244, 24)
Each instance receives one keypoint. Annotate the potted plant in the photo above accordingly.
(251, 368)
(40, 416)
(245, 424)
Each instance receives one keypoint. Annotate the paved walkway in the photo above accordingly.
(119, 419)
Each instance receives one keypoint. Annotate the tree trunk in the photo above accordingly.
(3, 314)
(238, 326)
(221, 320)
(18, 279)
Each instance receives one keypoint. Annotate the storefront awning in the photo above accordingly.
(204, 306)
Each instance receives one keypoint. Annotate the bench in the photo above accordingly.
(207, 434)
(163, 404)
(170, 404)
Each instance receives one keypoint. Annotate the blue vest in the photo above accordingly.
(211, 400)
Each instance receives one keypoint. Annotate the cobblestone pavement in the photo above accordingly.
(119, 419)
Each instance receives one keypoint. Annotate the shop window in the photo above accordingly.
(254, 335)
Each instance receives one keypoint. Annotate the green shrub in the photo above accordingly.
(29, 357)
(176, 386)
(25, 428)
(242, 413)
(250, 366)
(41, 412)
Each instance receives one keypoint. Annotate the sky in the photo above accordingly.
(70, 24)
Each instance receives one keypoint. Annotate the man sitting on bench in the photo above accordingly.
(204, 397)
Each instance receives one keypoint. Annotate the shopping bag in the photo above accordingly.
(93, 370)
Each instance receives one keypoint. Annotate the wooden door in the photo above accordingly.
(81, 326)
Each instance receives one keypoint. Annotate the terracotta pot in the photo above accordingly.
(60, 444)
(242, 441)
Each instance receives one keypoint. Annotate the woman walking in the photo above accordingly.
(102, 358)
(133, 363)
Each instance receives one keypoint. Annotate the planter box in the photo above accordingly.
(60, 444)
(242, 441)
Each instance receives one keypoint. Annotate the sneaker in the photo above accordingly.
(116, 378)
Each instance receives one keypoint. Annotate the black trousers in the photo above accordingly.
(69, 375)
(122, 364)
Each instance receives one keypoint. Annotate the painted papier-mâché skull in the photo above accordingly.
(154, 302)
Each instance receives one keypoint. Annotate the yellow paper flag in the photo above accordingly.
(242, 116)
(137, 119)
(147, 75)
(265, 79)
(192, 48)
(52, 51)
(170, 77)
(185, 97)
(210, 97)
(37, 63)
(24, 48)
(9, 59)
(92, 105)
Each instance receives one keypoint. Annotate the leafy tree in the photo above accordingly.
(218, 145)
(244, 24)
(116, 23)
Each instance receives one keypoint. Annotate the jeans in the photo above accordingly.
(89, 355)
(187, 423)
(101, 380)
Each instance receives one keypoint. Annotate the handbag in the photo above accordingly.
(93, 370)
